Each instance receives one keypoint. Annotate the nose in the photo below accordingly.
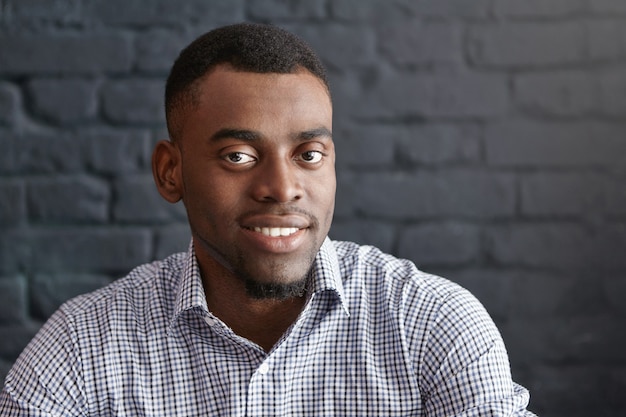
(277, 180)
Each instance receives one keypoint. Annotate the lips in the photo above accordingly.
(277, 233)
(277, 223)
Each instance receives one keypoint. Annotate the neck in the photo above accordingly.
(262, 321)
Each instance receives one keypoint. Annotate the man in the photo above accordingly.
(264, 315)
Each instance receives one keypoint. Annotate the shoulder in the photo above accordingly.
(137, 287)
(69, 349)
(400, 276)
(423, 304)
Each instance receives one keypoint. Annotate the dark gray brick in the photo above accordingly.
(64, 100)
(36, 12)
(414, 42)
(9, 104)
(615, 202)
(389, 11)
(612, 94)
(138, 201)
(554, 246)
(557, 295)
(365, 232)
(457, 193)
(93, 250)
(424, 144)
(157, 49)
(286, 9)
(12, 299)
(365, 146)
(171, 239)
(476, 9)
(163, 12)
(540, 8)
(117, 152)
(347, 91)
(12, 202)
(615, 385)
(40, 153)
(563, 194)
(137, 101)
(346, 191)
(49, 291)
(611, 7)
(595, 339)
(518, 245)
(614, 290)
(432, 144)
(7, 156)
(62, 199)
(14, 251)
(44, 153)
(158, 133)
(365, 10)
(535, 44)
(5, 366)
(609, 246)
(576, 144)
(600, 386)
(65, 53)
(353, 46)
(607, 39)
(440, 244)
(408, 95)
(14, 338)
(558, 93)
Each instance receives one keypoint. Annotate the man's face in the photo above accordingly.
(257, 165)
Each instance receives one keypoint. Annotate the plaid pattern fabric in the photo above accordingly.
(377, 337)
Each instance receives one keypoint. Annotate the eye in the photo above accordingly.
(311, 157)
(239, 158)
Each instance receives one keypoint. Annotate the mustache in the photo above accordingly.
(282, 210)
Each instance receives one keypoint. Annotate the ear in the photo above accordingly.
(166, 169)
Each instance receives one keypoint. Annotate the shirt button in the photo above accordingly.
(209, 320)
(264, 368)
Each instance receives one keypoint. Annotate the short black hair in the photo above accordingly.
(252, 47)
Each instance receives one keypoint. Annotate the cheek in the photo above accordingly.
(327, 197)
(207, 200)
(330, 185)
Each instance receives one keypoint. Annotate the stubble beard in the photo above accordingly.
(277, 289)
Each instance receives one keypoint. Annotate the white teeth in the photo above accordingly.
(276, 231)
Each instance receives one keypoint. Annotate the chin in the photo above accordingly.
(276, 291)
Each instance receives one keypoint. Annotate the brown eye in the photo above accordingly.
(311, 157)
(238, 158)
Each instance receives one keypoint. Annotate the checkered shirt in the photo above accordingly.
(377, 337)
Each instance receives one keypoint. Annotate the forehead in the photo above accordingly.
(225, 81)
(236, 99)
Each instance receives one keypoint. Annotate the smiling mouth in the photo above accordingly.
(276, 231)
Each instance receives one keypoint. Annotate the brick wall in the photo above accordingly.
(484, 139)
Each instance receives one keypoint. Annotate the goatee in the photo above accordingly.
(276, 291)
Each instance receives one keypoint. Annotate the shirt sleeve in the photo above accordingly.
(46, 378)
(465, 370)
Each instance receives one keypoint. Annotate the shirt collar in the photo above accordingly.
(325, 275)
(189, 291)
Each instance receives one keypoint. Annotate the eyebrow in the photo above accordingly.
(251, 135)
(241, 134)
(315, 133)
